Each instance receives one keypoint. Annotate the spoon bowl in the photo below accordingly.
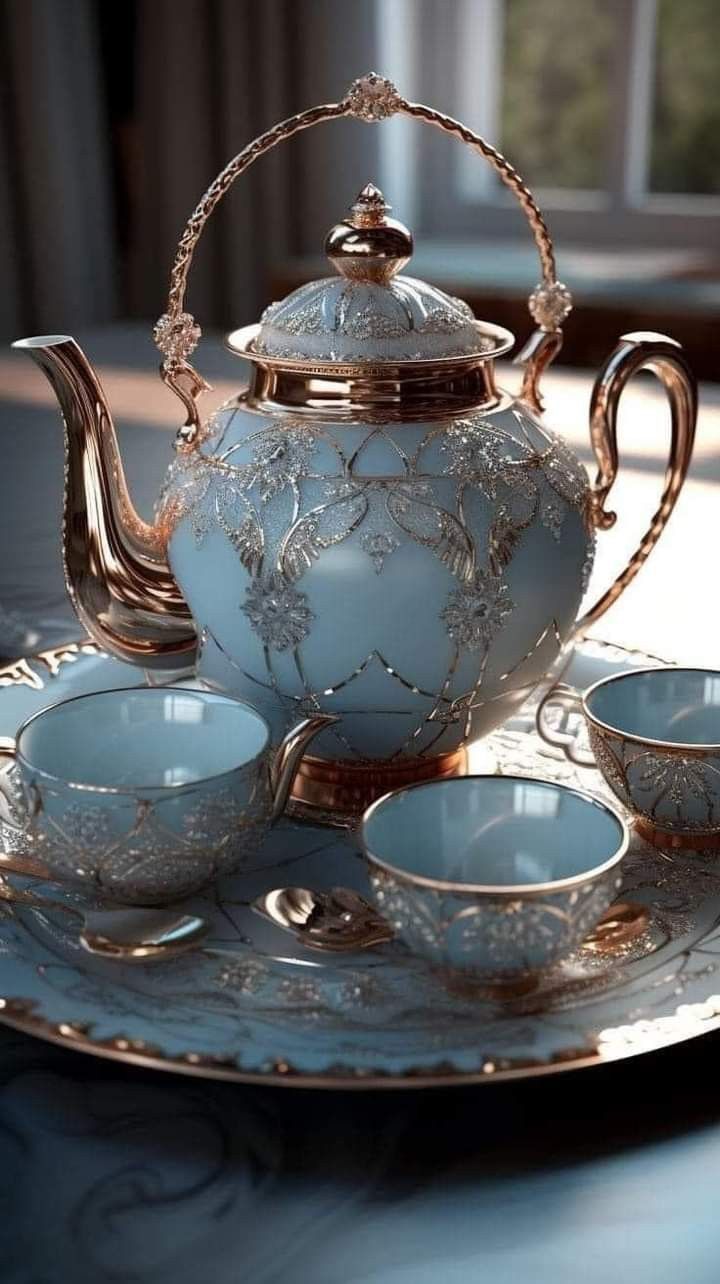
(128, 934)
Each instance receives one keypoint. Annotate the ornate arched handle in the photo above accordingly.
(371, 98)
(666, 359)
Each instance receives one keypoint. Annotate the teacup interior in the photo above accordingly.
(148, 738)
(493, 831)
(680, 706)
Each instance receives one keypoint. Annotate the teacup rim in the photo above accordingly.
(141, 790)
(502, 890)
(667, 745)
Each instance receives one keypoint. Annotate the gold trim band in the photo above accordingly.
(408, 396)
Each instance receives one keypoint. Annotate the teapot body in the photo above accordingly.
(372, 530)
(417, 578)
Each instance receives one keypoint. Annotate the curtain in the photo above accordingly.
(56, 222)
(90, 215)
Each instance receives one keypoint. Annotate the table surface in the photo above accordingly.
(111, 1173)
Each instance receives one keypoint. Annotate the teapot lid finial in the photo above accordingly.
(367, 245)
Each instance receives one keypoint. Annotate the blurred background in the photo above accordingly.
(117, 114)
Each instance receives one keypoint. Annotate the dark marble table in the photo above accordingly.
(108, 1173)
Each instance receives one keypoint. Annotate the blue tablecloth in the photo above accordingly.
(108, 1173)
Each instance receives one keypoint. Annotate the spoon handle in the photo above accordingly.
(16, 896)
(26, 866)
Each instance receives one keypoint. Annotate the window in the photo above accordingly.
(610, 111)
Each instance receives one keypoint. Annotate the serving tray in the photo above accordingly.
(252, 1005)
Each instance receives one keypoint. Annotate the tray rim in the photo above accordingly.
(692, 1020)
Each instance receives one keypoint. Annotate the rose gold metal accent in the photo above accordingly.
(356, 103)
(665, 358)
(619, 925)
(682, 748)
(368, 246)
(538, 353)
(399, 394)
(26, 866)
(20, 1013)
(116, 569)
(631, 1039)
(287, 758)
(567, 698)
(350, 787)
(370, 208)
(507, 891)
(707, 842)
(336, 921)
(188, 385)
(129, 934)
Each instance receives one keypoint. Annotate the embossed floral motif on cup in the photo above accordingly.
(496, 936)
(148, 848)
(675, 789)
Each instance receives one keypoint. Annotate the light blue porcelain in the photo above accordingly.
(147, 794)
(417, 575)
(396, 574)
(497, 875)
(257, 1005)
(655, 736)
(372, 526)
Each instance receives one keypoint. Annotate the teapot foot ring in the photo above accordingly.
(345, 789)
(665, 839)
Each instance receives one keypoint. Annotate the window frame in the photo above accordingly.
(424, 43)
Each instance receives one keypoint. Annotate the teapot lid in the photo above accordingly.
(368, 315)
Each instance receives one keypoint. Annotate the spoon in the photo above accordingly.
(343, 920)
(125, 933)
(336, 920)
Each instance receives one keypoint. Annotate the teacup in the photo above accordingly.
(655, 737)
(497, 875)
(149, 793)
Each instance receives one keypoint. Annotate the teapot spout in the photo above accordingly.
(116, 568)
(287, 758)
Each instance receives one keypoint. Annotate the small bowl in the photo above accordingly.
(498, 875)
(655, 737)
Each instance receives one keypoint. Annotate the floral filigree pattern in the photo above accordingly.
(177, 335)
(278, 612)
(373, 97)
(149, 848)
(550, 303)
(494, 935)
(565, 473)
(398, 1019)
(471, 492)
(475, 455)
(675, 789)
(476, 613)
(280, 459)
(379, 545)
(552, 515)
(672, 775)
(86, 826)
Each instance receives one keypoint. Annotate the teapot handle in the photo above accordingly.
(665, 358)
(370, 98)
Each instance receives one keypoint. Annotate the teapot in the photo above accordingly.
(372, 527)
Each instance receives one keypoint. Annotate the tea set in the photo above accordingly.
(376, 550)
